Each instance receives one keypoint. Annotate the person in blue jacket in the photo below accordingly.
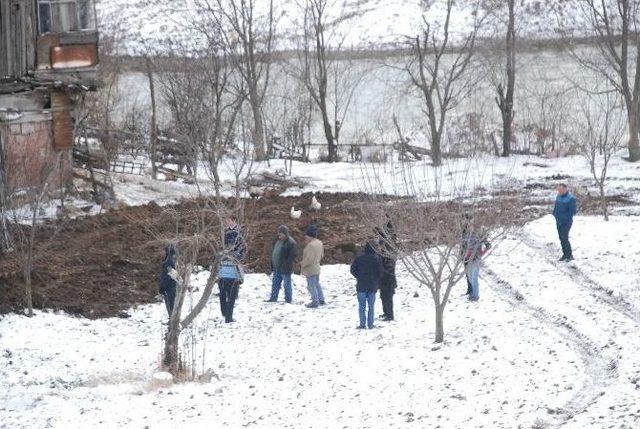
(230, 273)
(564, 210)
(168, 277)
(367, 269)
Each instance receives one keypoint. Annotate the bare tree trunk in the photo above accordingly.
(28, 265)
(5, 239)
(439, 323)
(258, 126)
(507, 101)
(634, 132)
(28, 287)
(603, 201)
(153, 149)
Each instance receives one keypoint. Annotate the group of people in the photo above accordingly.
(374, 269)
(372, 272)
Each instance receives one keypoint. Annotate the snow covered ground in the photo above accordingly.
(548, 344)
(516, 173)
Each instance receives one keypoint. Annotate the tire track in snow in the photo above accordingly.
(617, 302)
(599, 369)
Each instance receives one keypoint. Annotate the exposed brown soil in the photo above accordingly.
(103, 265)
(100, 266)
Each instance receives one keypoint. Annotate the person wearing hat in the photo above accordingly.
(230, 273)
(310, 266)
(367, 269)
(282, 257)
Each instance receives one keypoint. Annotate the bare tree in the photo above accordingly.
(600, 135)
(199, 234)
(204, 101)
(430, 233)
(327, 70)
(248, 29)
(504, 98)
(440, 80)
(616, 27)
(27, 198)
(153, 125)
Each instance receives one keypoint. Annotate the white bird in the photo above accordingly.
(255, 192)
(315, 204)
(295, 214)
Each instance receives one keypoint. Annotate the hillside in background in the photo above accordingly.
(145, 25)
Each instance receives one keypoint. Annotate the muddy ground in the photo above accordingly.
(103, 265)
(100, 266)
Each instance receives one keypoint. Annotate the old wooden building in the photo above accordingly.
(48, 58)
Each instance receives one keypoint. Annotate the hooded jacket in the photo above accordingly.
(311, 258)
(367, 269)
(166, 281)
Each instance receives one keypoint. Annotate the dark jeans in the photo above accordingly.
(228, 294)
(563, 234)
(365, 308)
(278, 280)
(386, 296)
(169, 298)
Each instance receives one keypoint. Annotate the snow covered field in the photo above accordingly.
(548, 344)
(516, 172)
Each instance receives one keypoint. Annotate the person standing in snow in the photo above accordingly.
(367, 269)
(282, 257)
(474, 249)
(388, 282)
(310, 266)
(230, 274)
(169, 278)
(564, 209)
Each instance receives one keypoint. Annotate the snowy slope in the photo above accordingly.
(144, 24)
(544, 346)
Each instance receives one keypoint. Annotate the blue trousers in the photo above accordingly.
(472, 270)
(366, 314)
(277, 281)
(315, 290)
(563, 234)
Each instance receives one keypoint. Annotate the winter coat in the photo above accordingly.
(367, 269)
(311, 256)
(565, 208)
(234, 239)
(283, 256)
(167, 282)
(388, 280)
(473, 248)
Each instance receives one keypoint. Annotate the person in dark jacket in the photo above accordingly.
(168, 277)
(234, 236)
(388, 282)
(367, 269)
(564, 210)
(283, 256)
(230, 274)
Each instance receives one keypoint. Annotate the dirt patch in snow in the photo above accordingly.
(101, 266)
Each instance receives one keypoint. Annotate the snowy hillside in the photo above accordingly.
(144, 24)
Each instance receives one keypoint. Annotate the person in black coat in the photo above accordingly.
(367, 269)
(168, 277)
(388, 282)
